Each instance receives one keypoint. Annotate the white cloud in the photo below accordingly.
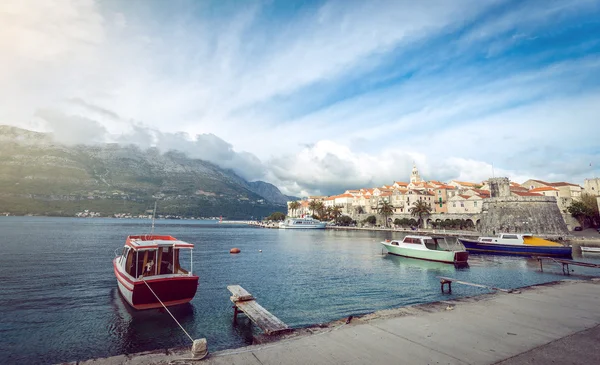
(271, 99)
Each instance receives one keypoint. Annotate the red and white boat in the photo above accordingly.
(149, 267)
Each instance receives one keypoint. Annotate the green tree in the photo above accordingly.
(294, 206)
(371, 220)
(336, 212)
(277, 216)
(385, 209)
(420, 209)
(359, 210)
(313, 205)
(320, 209)
(584, 210)
(345, 221)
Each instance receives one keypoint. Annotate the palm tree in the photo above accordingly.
(320, 208)
(336, 212)
(385, 209)
(294, 206)
(328, 213)
(313, 205)
(420, 209)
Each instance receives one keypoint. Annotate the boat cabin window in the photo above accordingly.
(412, 240)
(160, 261)
(431, 244)
(486, 240)
(395, 243)
(510, 236)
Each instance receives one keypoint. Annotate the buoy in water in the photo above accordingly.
(259, 250)
(235, 250)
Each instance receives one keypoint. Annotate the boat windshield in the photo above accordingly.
(159, 261)
(431, 243)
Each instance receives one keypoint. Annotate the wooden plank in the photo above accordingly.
(261, 317)
(567, 262)
(476, 285)
(239, 294)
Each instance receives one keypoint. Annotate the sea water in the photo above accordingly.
(59, 299)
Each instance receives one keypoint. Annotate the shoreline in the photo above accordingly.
(263, 343)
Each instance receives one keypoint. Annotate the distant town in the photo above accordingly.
(455, 199)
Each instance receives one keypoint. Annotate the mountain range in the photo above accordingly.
(41, 176)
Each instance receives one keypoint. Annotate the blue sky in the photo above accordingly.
(317, 96)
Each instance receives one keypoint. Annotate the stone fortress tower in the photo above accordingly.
(503, 213)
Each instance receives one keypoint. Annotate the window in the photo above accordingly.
(462, 205)
(454, 205)
(474, 204)
(510, 236)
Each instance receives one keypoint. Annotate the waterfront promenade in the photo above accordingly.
(551, 323)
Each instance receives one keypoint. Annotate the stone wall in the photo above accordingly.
(515, 214)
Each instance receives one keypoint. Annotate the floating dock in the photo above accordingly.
(244, 302)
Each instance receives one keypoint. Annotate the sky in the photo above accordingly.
(316, 97)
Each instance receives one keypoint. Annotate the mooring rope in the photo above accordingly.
(168, 311)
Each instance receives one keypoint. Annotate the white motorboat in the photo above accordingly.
(426, 248)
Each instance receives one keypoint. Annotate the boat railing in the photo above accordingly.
(117, 252)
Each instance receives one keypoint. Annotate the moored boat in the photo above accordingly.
(149, 269)
(590, 249)
(302, 223)
(516, 244)
(426, 248)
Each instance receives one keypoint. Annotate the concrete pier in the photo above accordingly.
(551, 323)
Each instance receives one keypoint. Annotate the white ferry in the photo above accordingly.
(302, 223)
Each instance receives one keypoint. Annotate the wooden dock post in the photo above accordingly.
(444, 281)
(244, 302)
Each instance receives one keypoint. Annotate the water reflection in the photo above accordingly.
(423, 264)
(130, 328)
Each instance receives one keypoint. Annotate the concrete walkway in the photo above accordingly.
(540, 325)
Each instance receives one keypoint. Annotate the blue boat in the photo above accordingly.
(516, 244)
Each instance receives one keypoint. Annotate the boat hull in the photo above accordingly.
(515, 250)
(316, 226)
(448, 257)
(172, 290)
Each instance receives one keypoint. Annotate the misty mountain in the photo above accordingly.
(40, 176)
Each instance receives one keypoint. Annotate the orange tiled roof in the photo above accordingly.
(522, 193)
(450, 187)
(546, 188)
(345, 196)
(517, 188)
(562, 183)
(464, 183)
(400, 183)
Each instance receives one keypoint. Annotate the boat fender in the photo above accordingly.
(235, 250)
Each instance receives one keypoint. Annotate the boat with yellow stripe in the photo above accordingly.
(521, 244)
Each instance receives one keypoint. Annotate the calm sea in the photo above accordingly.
(59, 299)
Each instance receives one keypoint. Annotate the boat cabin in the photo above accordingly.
(151, 255)
(431, 243)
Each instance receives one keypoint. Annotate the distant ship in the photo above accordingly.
(302, 223)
